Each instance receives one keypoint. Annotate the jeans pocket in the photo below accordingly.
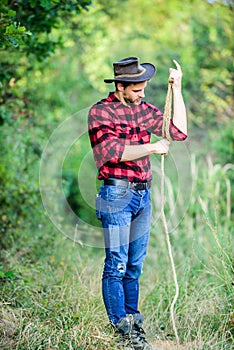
(116, 193)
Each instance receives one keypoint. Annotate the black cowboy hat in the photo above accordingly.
(130, 70)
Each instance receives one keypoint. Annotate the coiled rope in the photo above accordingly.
(166, 134)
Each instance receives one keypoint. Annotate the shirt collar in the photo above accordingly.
(114, 101)
(113, 98)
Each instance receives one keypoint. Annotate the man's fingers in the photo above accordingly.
(165, 142)
(177, 65)
(175, 73)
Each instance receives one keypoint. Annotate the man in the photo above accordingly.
(120, 127)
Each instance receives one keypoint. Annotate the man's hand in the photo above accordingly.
(160, 147)
(176, 75)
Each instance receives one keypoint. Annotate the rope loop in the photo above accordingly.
(167, 112)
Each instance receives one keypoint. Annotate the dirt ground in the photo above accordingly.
(169, 345)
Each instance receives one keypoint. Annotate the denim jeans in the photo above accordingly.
(126, 217)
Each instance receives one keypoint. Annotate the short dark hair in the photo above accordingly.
(124, 83)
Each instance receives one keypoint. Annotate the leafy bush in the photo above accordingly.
(223, 143)
(17, 188)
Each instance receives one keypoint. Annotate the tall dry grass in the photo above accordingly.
(54, 301)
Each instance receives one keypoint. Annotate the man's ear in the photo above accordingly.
(120, 87)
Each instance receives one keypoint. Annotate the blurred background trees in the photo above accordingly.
(55, 55)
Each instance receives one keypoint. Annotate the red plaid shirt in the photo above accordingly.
(112, 125)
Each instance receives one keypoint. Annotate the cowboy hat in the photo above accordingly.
(130, 70)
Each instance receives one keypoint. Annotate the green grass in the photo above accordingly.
(51, 287)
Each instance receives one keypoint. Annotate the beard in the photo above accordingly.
(131, 101)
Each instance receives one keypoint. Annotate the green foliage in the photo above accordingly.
(12, 34)
(18, 186)
(26, 38)
(211, 73)
(54, 57)
(223, 144)
(29, 23)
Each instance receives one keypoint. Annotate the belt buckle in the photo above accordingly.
(139, 186)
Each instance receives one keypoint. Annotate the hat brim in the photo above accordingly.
(150, 71)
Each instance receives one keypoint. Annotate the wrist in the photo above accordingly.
(177, 87)
(150, 148)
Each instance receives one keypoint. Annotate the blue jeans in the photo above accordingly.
(126, 217)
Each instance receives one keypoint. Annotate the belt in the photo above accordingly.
(137, 186)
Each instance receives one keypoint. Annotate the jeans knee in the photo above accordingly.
(121, 269)
(133, 271)
(117, 270)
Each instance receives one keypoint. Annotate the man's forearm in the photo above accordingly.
(179, 111)
(179, 115)
(133, 152)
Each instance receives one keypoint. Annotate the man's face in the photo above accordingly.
(134, 93)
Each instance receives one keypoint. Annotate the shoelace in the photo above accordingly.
(138, 337)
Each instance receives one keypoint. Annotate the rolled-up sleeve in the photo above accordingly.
(175, 133)
(107, 147)
(156, 124)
